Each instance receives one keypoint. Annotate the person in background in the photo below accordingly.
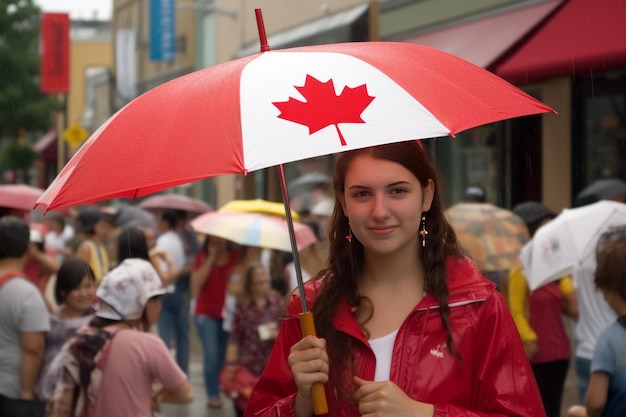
(407, 326)
(538, 317)
(93, 228)
(41, 263)
(23, 316)
(249, 255)
(181, 305)
(213, 267)
(475, 194)
(129, 370)
(606, 395)
(59, 234)
(74, 290)
(255, 326)
(173, 317)
(311, 260)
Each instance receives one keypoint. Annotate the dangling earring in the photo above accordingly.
(349, 235)
(423, 232)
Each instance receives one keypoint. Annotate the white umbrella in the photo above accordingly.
(569, 242)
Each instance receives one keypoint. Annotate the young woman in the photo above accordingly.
(538, 316)
(255, 326)
(74, 291)
(407, 326)
(212, 269)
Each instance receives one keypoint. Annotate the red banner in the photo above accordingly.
(55, 53)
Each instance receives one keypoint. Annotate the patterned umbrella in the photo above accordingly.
(492, 236)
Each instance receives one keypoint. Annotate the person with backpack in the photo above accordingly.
(115, 367)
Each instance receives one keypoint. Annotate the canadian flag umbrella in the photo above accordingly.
(282, 106)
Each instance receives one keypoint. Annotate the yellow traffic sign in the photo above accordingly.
(75, 135)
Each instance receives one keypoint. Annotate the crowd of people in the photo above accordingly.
(406, 322)
(64, 277)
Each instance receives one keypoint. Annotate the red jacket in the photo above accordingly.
(493, 379)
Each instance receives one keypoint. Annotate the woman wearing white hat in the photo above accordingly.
(112, 367)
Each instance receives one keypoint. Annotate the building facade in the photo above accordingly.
(547, 158)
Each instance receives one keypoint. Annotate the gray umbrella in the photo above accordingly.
(134, 216)
(308, 182)
(602, 189)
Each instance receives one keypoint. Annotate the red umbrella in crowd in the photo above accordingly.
(19, 196)
(282, 106)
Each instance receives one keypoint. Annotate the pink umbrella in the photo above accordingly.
(19, 196)
(175, 202)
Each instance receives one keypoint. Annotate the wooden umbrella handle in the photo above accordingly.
(320, 406)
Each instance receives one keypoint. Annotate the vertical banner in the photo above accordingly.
(125, 45)
(55, 53)
(162, 35)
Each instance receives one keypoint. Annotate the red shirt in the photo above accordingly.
(210, 300)
(545, 304)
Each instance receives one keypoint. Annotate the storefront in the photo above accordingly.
(583, 43)
(570, 54)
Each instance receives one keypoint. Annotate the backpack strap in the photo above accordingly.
(9, 275)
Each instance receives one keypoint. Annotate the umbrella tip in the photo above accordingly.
(261, 27)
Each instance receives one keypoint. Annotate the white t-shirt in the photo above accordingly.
(171, 243)
(595, 314)
(56, 241)
(293, 279)
(383, 350)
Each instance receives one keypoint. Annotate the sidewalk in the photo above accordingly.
(198, 408)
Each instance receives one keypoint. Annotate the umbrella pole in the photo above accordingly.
(292, 238)
(307, 324)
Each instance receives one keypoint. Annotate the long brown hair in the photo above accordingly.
(346, 260)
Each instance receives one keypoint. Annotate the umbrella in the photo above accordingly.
(175, 202)
(19, 196)
(491, 235)
(308, 182)
(276, 107)
(253, 229)
(602, 189)
(569, 241)
(258, 206)
(128, 215)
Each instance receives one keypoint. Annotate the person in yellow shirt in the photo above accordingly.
(94, 227)
(538, 317)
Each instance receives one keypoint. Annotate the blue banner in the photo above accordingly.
(162, 35)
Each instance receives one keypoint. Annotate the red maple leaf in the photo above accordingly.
(323, 107)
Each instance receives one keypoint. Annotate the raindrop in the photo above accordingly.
(593, 92)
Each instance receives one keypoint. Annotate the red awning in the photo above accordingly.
(582, 35)
(482, 41)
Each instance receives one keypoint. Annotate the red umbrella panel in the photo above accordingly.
(282, 106)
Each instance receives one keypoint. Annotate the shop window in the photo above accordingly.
(473, 158)
(599, 128)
